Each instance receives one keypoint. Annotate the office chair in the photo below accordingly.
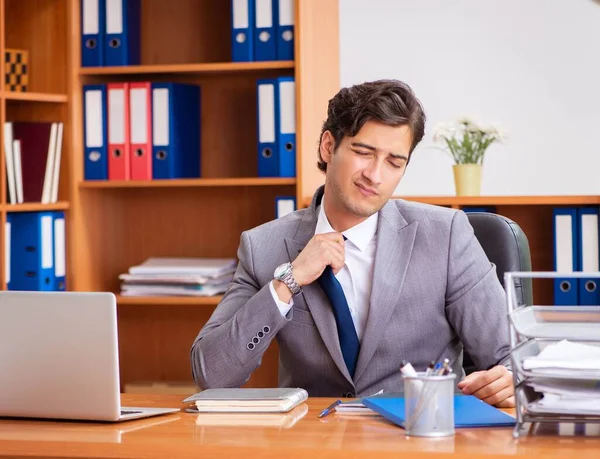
(506, 245)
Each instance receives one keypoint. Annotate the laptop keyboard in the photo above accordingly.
(130, 411)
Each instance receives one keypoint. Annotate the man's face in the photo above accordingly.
(364, 171)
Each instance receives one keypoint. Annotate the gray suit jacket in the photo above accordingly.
(433, 291)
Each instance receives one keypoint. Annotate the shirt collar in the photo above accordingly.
(360, 235)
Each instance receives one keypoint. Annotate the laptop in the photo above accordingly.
(59, 357)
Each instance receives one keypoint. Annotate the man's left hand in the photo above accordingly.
(494, 386)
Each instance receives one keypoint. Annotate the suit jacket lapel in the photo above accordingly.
(395, 240)
(315, 298)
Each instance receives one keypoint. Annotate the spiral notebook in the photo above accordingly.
(249, 400)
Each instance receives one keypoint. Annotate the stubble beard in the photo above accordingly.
(356, 209)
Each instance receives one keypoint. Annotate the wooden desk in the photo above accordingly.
(337, 435)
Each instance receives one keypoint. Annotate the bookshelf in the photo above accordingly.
(113, 225)
(40, 27)
(201, 217)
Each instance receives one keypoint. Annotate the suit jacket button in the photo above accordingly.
(266, 329)
(250, 346)
(349, 395)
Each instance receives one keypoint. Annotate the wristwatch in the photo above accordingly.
(284, 274)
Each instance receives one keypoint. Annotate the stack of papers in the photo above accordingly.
(565, 358)
(567, 375)
(178, 277)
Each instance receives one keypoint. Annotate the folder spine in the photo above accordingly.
(176, 130)
(119, 167)
(95, 132)
(92, 26)
(122, 45)
(32, 257)
(566, 255)
(265, 48)
(242, 30)
(140, 135)
(589, 255)
(286, 126)
(267, 110)
(285, 30)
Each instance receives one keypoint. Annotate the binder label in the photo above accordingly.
(564, 242)
(7, 252)
(264, 13)
(114, 16)
(90, 17)
(160, 118)
(138, 109)
(240, 14)
(93, 120)
(59, 247)
(116, 116)
(266, 110)
(47, 242)
(287, 107)
(286, 12)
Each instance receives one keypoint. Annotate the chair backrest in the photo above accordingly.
(506, 245)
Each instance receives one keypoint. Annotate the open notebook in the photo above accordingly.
(279, 400)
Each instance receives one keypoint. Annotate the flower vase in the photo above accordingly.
(467, 179)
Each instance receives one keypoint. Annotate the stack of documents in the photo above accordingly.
(178, 277)
(567, 374)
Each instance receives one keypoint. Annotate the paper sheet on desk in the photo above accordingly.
(356, 406)
(554, 403)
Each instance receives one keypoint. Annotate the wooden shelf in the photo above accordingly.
(35, 207)
(34, 97)
(169, 300)
(500, 200)
(208, 68)
(211, 182)
(504, 200)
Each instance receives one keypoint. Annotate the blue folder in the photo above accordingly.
(92, 32)
(95, 132)
(469, 411)
(122, 33)
(176, 130)
(31, 252)
(242, 30)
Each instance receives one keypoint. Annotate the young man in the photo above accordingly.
(356, 283)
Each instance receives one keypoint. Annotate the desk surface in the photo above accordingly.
(301, 434)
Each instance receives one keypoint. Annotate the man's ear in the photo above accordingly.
(327, 146)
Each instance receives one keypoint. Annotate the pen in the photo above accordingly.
(329, 409)
(430, 368)
(445, 366)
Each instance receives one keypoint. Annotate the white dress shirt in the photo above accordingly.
(356, 277)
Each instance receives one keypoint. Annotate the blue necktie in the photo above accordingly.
(346, 330)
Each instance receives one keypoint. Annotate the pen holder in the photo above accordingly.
(429, 405)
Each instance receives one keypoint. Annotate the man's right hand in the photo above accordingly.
(326, 249)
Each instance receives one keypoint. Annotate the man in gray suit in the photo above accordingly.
(356, 283)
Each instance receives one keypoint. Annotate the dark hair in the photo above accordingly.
(391, 102)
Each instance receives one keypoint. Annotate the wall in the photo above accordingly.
(531, 66)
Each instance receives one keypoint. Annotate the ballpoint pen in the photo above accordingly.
(329, 409)
(430, 368)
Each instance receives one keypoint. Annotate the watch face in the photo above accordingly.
(281, 270)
